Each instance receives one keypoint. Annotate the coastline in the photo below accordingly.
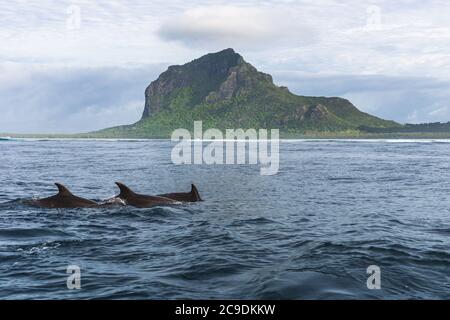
(318, 137)
(283, 136)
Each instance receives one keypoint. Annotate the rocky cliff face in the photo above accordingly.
(211, 78)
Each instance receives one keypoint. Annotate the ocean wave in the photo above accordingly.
(296, 235)
(19, 233)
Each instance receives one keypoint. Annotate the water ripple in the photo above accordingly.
(308, 233)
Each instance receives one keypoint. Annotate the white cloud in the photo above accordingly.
(245, 27)
(217, 22)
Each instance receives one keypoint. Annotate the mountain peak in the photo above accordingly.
(224, 57)
(228, 51)
(224, 52)
(210, 78)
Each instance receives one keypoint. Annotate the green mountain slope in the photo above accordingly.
(224, 91)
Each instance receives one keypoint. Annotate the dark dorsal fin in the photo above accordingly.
(124, 190)
(195, 194)
(63, 191)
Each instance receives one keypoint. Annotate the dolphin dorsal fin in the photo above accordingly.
(63, 191)
(124, 190)
(195, 194)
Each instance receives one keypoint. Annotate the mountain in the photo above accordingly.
(225, 91)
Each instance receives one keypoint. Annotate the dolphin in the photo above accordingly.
(192, 196)
(131, 198)
(64, 199)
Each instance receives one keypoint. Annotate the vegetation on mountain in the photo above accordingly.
(225, 91)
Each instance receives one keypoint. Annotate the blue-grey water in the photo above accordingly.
(309, 232)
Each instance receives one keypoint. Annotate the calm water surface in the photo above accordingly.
(309, 232)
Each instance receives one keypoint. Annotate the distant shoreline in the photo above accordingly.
(283, 136)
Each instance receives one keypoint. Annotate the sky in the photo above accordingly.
(77, 66)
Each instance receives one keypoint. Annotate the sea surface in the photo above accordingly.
(335, 208)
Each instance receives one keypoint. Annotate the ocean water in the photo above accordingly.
(309, 232)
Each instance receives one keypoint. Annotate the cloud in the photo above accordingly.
(234, 26)
(83, 33)
(61, 99)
